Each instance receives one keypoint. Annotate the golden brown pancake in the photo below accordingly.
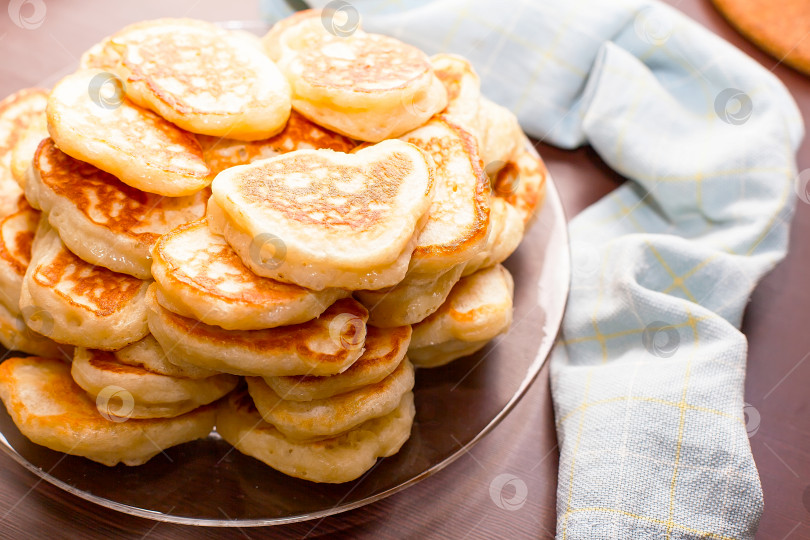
(478, 309)
(334, 219)
(148, 354)
(366, 86)
(200, 276)
(201, 78)
(495, 128)
(339, 459)
(505, 233)
(298, 134)
(22, 154)
(53, 411)
(15, 335)
(300, 30)
(76, 303)
(522, 183)
(331, 416)
(463, 88)
(384, 350)
(17, 112)
(459, 213)
(154, 395)
(412, 299)
(133, 144)
(16, 236)
(101, 219)
(323, 346)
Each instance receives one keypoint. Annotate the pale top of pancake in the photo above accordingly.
(136, 145)
(328, 208)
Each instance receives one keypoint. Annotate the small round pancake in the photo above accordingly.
(366, 86)
(16, 236)
(153, 395)
(148, 354)
(478, 309)
(328, 417)
(336, 220)
(16, 336)
(384, 350)
(301, 30)
(505, 233)
(76, 303)
(340, 459)
(101, 219)
(51, 410)
(500, 136)
(199, 276)
(411, 300)
(463, 88)
(22, 154)
(298, 134)
(459, 213)
(323, 346)
(522, 183)
(133, 144)
(17, 112)
(202, 78)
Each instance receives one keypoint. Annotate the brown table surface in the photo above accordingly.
(456, 502)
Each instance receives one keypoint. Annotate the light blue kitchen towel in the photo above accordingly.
(647, 379)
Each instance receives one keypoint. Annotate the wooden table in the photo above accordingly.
(456, 502)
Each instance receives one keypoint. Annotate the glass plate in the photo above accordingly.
(206, 482)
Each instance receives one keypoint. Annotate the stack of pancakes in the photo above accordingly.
(262, 235)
